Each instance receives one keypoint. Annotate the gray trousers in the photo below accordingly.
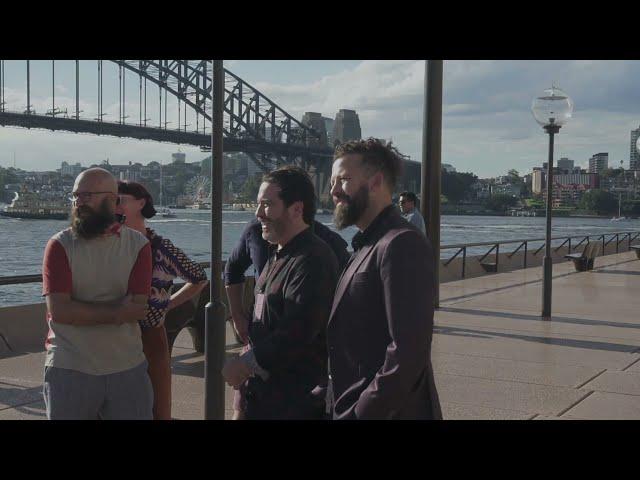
(73, 395)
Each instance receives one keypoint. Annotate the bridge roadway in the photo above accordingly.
(231, 144)
(494, 357)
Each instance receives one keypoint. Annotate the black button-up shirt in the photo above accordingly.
(253, 249)
(288, 336)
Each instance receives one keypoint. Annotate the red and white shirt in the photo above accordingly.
(104, 269)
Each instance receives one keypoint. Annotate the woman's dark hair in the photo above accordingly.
(138, 191)
(295, 186)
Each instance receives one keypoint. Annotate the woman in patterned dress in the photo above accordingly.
(169, 262)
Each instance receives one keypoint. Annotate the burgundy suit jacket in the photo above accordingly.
(381, 324)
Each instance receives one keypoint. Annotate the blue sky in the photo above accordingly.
(487, 124)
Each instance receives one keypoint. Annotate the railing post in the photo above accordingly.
(604, 245)
(464, 260)
(525, 254)
(497, 255)
(569, 245)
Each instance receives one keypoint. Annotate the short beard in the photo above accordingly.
(88, 223)
(347, 214)
(277, 227)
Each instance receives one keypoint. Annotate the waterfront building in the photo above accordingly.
(599, 162)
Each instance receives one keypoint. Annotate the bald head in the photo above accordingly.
(96, 180)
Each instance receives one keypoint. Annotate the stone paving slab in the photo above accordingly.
(607, 406)
(457, 411)
(547, 417)
(616, 382)
(524, 397)
(513, 370)
(587, 325)
(534, 347)
(13, 394)
(30, 411)
(635, 367)
(27, 367)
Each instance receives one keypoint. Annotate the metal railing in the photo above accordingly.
(462, 248)
(37, 278)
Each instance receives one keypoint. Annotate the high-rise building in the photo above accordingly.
(178, 157)
(634, 157)
(599, 162)
(538, 180)
(346, 126)
(565, 164)
(315, 121)
(328, 126)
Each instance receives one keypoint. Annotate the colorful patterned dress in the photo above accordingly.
(169, 262)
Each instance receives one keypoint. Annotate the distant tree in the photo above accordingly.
(599, 201)
(500, 202)
(7, 176)
(456, 186)
(249, 191)
(514, 176)
(631, 207)
(206, 167)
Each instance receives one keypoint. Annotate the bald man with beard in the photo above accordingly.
(96, 280)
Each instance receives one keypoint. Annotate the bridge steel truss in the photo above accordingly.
(253, 123)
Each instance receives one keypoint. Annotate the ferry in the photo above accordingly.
(32, 205)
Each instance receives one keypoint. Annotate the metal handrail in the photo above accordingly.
(461, 247)
(37, 278)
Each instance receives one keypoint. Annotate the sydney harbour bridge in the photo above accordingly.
(253, 123)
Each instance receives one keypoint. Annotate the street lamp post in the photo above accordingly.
(551, 110)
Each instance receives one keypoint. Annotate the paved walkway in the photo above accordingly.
(493, 355)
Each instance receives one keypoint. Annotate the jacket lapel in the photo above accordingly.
(346, 277)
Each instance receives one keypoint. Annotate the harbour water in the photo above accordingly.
(22, 242)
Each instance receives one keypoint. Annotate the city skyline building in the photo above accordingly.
(599, 162)
(565, 163)
(634, 156)
(346, 126)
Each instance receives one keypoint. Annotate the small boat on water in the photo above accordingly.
(165, 212)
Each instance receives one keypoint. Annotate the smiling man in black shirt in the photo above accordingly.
(293, 295)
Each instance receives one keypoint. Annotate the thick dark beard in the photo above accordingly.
(88, 223)
(348, 214)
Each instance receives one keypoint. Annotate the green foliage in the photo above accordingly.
(7, 176)
(534, 203)
(611, 173)
(456, 186)
(206, 167)
(500, 202)
(514, 177)
(631, 207)
(599, 201)
(250, 189)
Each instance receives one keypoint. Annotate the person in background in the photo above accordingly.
(169, 262)
(408, 203)
(96, 277)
